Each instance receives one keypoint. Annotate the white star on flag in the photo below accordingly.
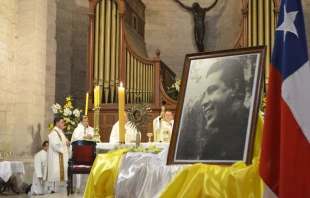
(288, 23)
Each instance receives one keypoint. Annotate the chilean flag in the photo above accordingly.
(285, 153)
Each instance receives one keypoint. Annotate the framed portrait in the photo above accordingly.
(217, 107)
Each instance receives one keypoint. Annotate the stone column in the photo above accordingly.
(8, 10)
(51, 47)
(30, 72)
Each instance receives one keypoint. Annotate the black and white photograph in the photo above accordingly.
(217, 107)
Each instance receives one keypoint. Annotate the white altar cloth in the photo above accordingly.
(7, 168)
(109, 146)
(144, 175)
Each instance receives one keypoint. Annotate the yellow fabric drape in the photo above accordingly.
(236, 181)
(104, 174)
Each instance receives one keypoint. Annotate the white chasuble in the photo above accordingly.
(57, 157)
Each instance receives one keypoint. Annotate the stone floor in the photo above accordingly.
(54, 195)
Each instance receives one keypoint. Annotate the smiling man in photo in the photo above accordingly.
(225, 116)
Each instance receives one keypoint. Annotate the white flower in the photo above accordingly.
(55, 110)
(177, 87)
(76, 113)
(67, 112)
(72, 123)
(58, 106)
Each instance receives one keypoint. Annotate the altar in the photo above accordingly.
(7, 169)
(109, 146)
(122, 173)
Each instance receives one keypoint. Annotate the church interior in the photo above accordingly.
(52, 50)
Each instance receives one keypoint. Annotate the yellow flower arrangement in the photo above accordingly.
(174, 89)
(70, 114)
(133, 148)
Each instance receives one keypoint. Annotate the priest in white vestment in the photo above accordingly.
(130, 132)
(165, 132)
(39, 186)
(57, 157)
(82, 131)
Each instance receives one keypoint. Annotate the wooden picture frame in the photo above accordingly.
(218, 107)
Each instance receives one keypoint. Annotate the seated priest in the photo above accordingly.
(39, 185)
(130, 132)
(82, 131)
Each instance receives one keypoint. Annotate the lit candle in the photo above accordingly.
(86, 104)
(121, 112)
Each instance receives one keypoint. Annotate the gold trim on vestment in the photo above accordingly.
(61, 161)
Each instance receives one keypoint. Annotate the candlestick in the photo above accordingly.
(86, 104)
(98, 95)
(121, 112)
(96, 137)
(95, 96)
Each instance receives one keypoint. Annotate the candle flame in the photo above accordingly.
(121, 84)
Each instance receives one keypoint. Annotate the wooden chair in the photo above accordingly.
(81, 161)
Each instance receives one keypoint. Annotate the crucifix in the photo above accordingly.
(199, 20)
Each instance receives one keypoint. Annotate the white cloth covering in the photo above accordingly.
(56, 146)
(5, 170)
(130, 133)
(144, 175)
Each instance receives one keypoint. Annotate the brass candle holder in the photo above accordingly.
(96, 137)
(4, 154)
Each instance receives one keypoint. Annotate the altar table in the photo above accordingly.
(7, 168)
(132, 174)
(109, 146)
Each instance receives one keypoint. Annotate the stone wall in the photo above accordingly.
(23, 78)
(71, 37)
(50, 80)
(29, 107)
(8, 10)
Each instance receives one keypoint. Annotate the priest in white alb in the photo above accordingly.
(82, 131)
(130, 132)
(165, 132)
(38, 184)
(57, 156)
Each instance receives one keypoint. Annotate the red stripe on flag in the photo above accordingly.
(285, 155)
(269, 161)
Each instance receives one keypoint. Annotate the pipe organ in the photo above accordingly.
(112, 57)
(258, 26)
